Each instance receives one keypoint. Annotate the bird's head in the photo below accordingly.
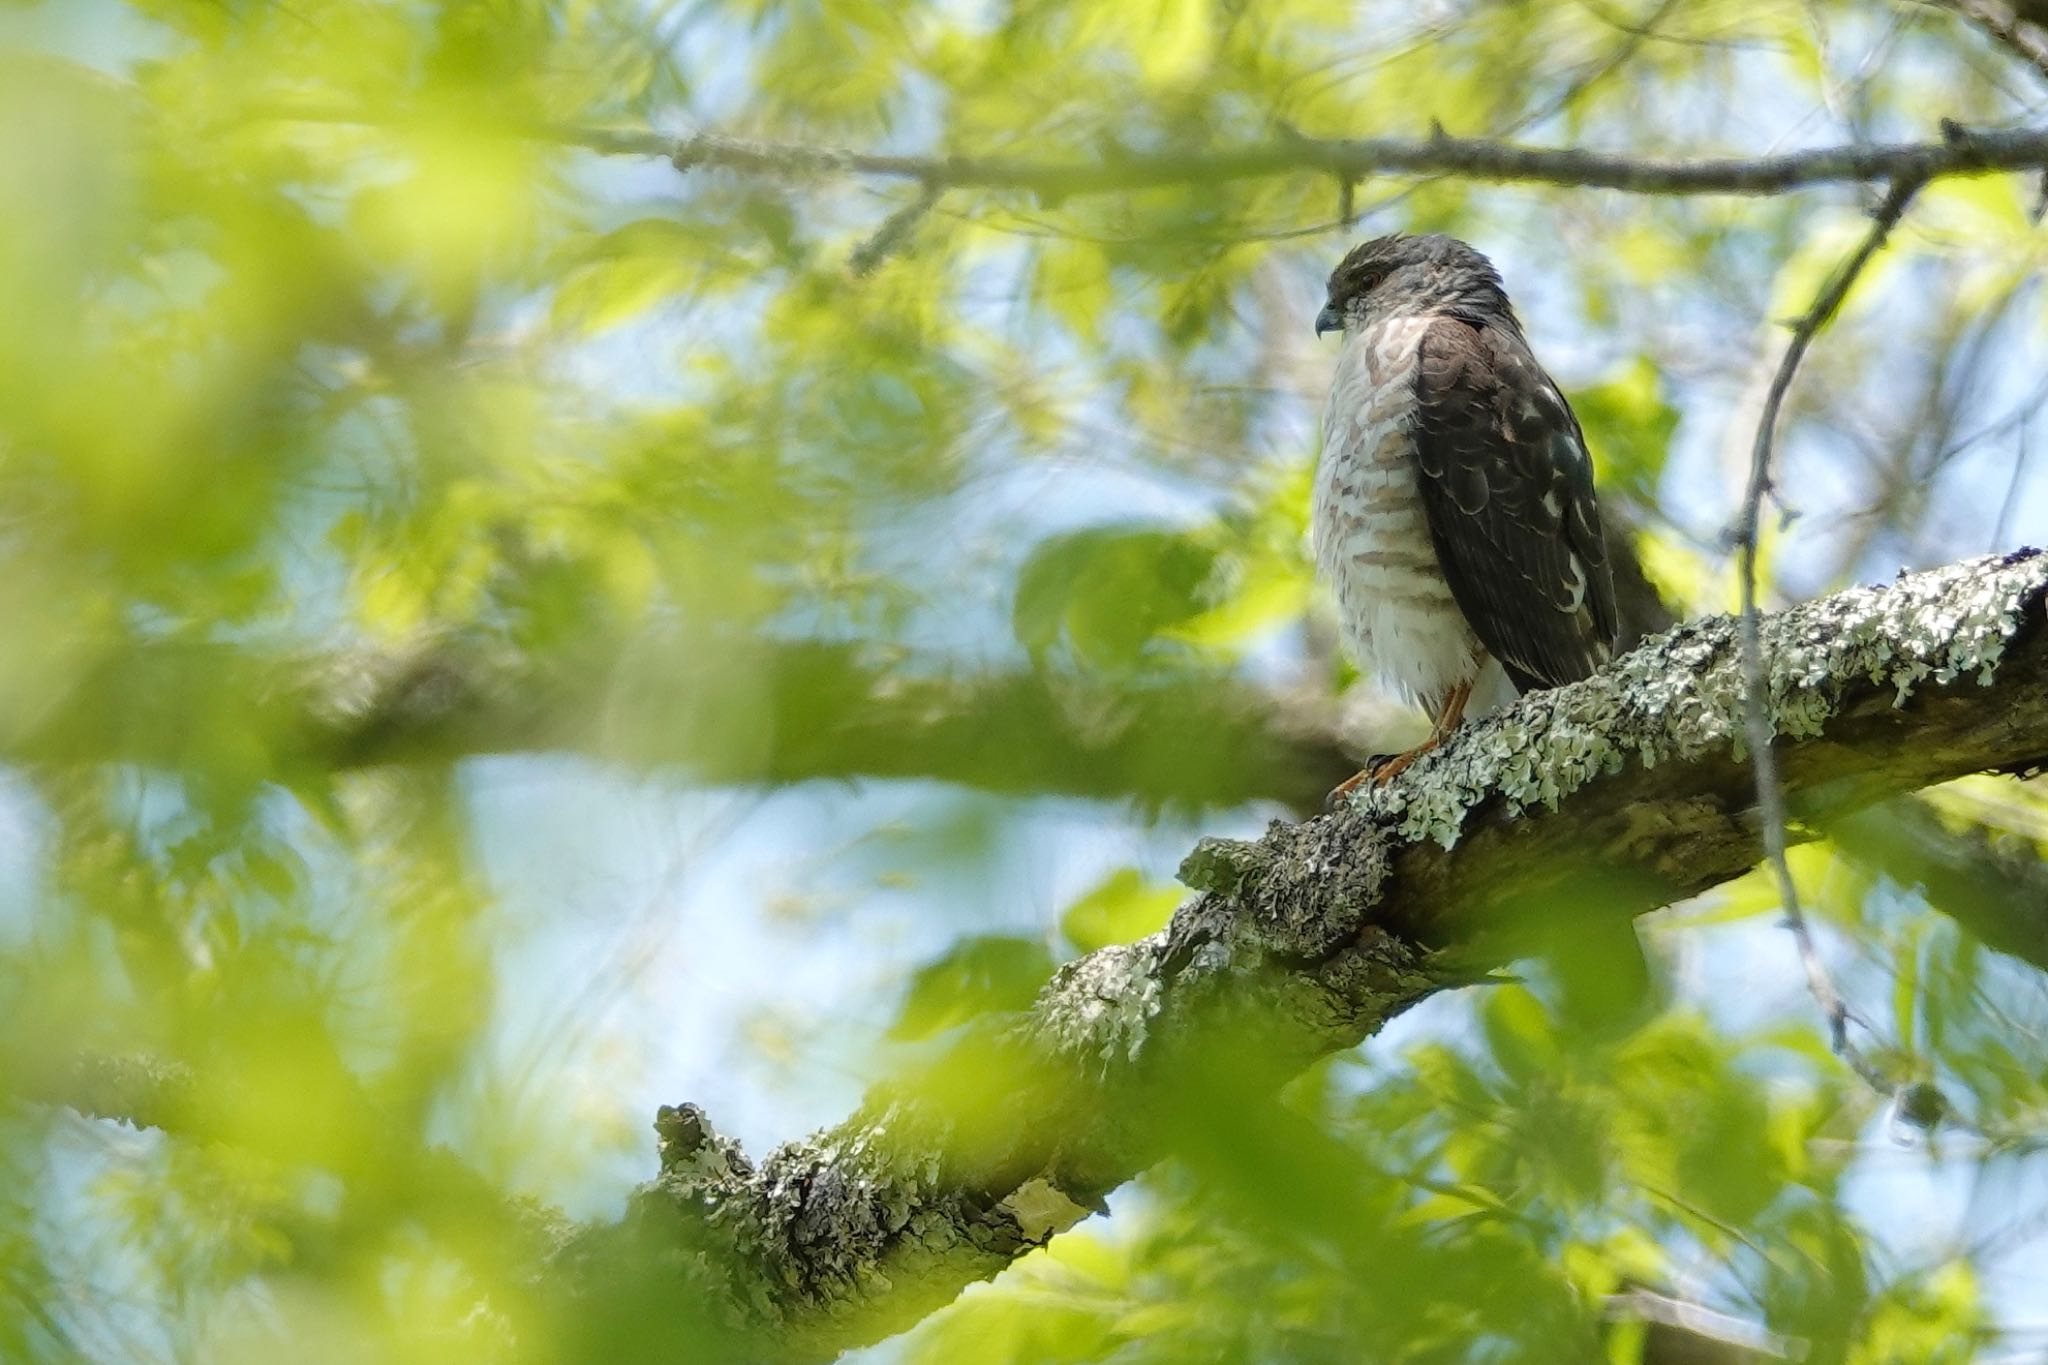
(1403, 276)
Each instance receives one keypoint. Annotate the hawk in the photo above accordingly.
(1454, 515)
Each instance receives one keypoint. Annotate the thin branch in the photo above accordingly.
(2015, 418)
(1960, 152)
(1477, 158)
(893, 235)
(1349, 211)
(1646, 29)
(2021, 458)
(2006, 28)
(1770, 796)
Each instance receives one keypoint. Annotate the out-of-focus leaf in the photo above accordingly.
(1628, 423)
(1054, 1306)
(1108, 593)
(1122, 908)
(1519, 1033)
(976, 976)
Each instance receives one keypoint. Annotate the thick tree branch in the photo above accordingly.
(765, 712)
(802, 711)
(1348, 160)
(1604, 799)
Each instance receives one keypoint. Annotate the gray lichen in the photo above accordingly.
(825, 1226)
(1221, 865)
(1681, 694)
(1099, 1007)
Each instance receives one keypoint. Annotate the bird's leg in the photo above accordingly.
(1452, 713)
(1448, 716)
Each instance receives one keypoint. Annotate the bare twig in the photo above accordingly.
(2011, 500)
(1770, 797)
(2006, 28)
(893, 234)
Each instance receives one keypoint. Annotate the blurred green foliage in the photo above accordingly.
(358, 423)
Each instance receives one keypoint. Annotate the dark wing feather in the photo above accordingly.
(1509, 492)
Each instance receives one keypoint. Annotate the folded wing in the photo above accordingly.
(1508, 489)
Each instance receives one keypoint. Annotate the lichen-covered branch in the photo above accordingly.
(1310, 939)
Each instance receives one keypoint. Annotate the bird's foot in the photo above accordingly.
(1379, 771)
(1340, 795)
(1398, 764)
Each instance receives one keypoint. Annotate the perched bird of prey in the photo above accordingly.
(1454, 515)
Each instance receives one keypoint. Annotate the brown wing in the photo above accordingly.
(1509, 492)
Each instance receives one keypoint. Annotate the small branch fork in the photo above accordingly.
(1770, 797)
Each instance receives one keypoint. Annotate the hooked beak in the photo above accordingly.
(1329, 320)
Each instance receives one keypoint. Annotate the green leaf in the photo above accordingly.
(1519, 1033)
(1123, 908)
(976, 976)
(1108, 593)
(1629, 423)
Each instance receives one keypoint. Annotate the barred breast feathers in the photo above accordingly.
(1370, 528)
